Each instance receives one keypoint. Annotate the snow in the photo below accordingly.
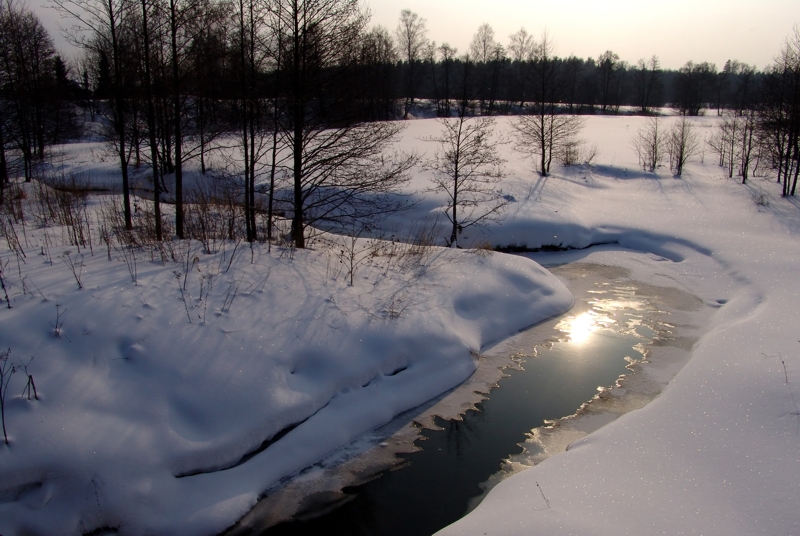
(717, 452)
(144, 417)
(145, 411)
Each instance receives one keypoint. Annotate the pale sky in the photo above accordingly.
(750, 31)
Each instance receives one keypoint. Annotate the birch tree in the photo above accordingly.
(467, 168)
(546, 129)
(340, 166)
(411, 42)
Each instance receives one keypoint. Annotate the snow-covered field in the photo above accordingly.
(154, 395)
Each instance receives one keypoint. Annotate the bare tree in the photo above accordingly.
(27, 61)
(606, 71)
(430, 60)
(573, 68)
(448, 55)
(99, 27)
(483, 44)
(750, 140)
(253, 52)
(178, 14)
(682, 144)
(487, 55)
(5, 105)
(735, 141)
(497, 64)
(547, 129)
(277, 143)
(186, 23)
(147, 82)
(340, 166)
(780, 114)
(466, 168)
(647, 82)
(7, 370)
(411, 41)
(521, 45)
(650, 143)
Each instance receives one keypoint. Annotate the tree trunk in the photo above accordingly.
(298, 113)
(796, 166)
(245, 119)
(176, 103)
(275, 126)
(119, 120)
(297, 219)
(3, 168)
(151, 125)
(201, 124)
(254, 116)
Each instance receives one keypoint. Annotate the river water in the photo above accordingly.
(555, 370)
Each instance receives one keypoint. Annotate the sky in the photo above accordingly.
(677, 31)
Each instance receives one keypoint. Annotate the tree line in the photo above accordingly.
(300, 91)
(606, 84)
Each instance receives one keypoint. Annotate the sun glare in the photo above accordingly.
(578, 328)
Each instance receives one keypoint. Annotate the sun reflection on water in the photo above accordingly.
(603, 315)
(579, 328)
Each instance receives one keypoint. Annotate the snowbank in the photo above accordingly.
(155, 400)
